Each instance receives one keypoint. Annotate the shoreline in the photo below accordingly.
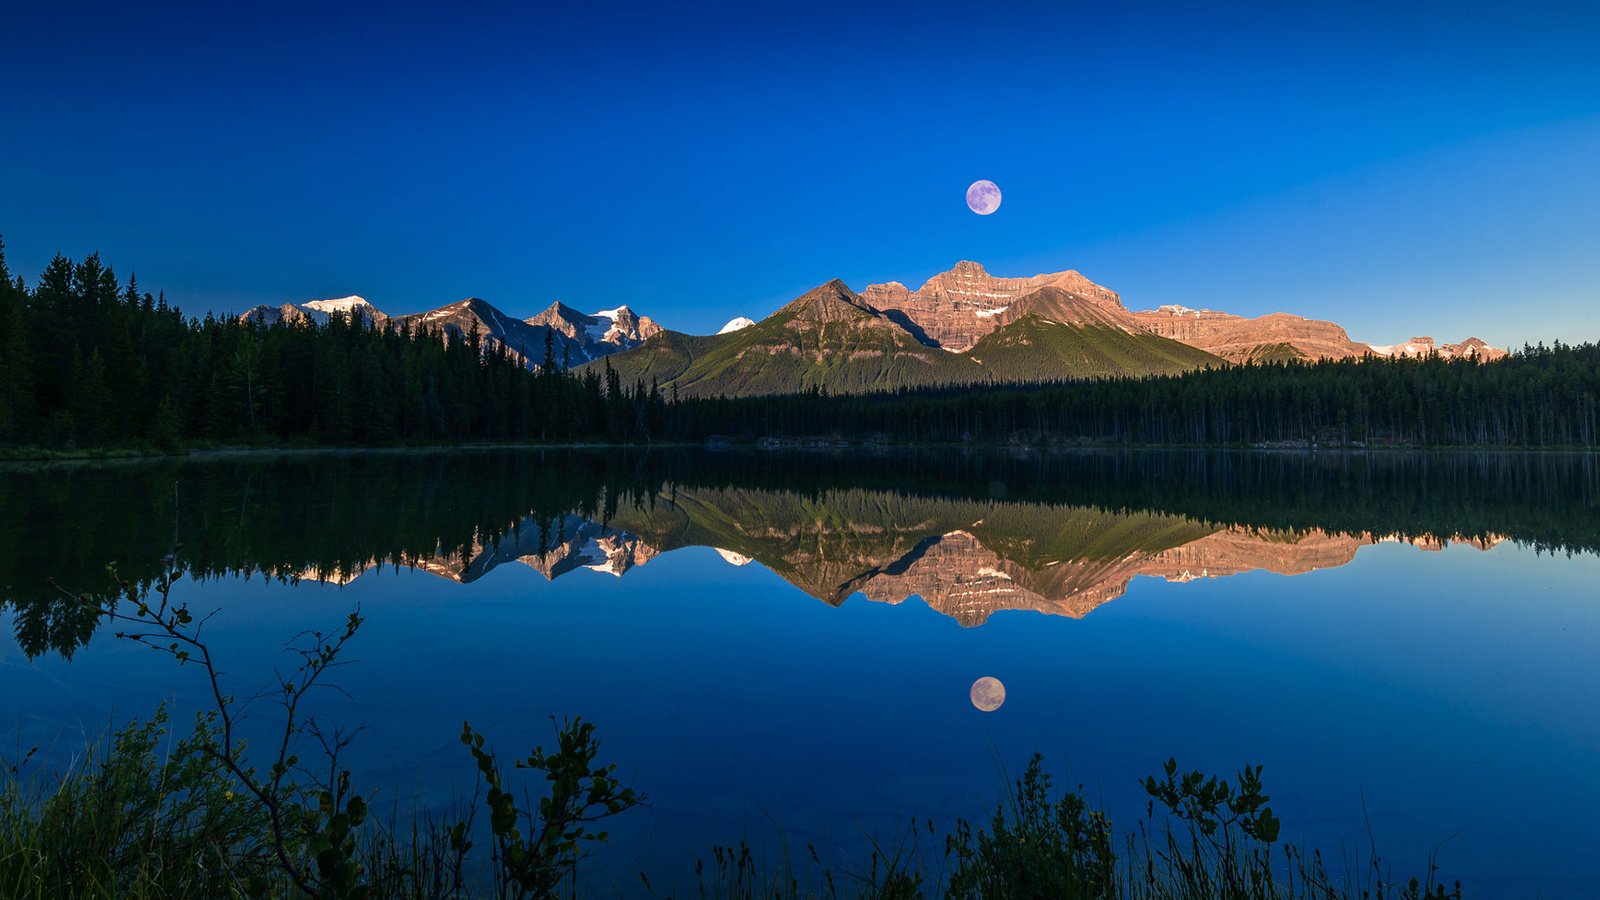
(762, 445)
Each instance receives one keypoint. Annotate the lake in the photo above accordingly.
(782, 646)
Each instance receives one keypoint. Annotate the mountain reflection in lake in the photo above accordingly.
(1447, 688)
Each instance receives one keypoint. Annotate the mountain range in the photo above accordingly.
(965, 559)
(963, 326)
(575, 337)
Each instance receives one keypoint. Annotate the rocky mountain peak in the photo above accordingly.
(626, 327)
(593, 336)
(339, 304)
(1058, 304)
(829, 302)
(316, 312)
(1475, 348)
(1423, 345)
(956, 308)
(557, 310)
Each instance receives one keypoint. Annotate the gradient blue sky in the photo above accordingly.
(1400, 168)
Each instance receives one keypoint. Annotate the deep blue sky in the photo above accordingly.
(1427, 170)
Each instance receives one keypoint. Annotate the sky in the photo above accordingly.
(1401, 168)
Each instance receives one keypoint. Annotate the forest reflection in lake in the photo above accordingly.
(1446, 686)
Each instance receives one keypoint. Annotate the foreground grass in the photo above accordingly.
(142, 814)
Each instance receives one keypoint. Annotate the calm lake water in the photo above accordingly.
(780, 647)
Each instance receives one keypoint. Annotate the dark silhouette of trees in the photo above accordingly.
(88, 361)
(1539, 397)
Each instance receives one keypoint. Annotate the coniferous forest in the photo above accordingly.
(1539, 397)
(87, 360)
(90, 361)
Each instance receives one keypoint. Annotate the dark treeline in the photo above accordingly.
(338, 512)
(276, 518)
(1538, 397)
(1550, 501)
(89, 361)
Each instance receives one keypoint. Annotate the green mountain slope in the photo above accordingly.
(826, 339)
(1277, 352)
(1036, 349)
(831, 339)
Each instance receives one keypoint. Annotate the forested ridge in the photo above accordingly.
(1540, 396)
(88, 361)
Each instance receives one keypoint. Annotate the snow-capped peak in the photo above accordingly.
(732, 558)
(610, 313)
(338, 304)
(736, 325)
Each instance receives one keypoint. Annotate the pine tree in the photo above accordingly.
(92, 401)
(16, 377)
(166, 429)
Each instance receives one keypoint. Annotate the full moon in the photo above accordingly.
(983, 197)
(988, 693)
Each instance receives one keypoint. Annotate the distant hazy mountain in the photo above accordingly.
(1282, 336)
(576, 338)
(593, 336)
(317, 311)
(494, 327)
(1471, 348)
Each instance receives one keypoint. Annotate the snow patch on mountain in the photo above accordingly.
(737, 324)
(338, 304)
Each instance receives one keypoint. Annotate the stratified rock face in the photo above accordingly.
(1239, 550)
(590, 337)
(954, 309)
(1237, 339)
(956, 575)
(1283, 336)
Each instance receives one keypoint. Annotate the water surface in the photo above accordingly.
(782, 646)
